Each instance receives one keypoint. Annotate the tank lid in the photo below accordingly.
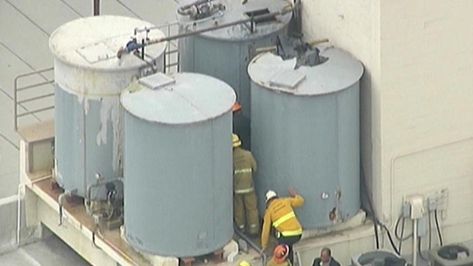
(338, 72)
(226, 11)
(180, 98)
(93, 42)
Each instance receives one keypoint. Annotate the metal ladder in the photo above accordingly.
(171, 56)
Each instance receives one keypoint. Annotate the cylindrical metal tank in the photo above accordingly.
(225, 53)
(178, 164)
(89, 78)
(305, 133)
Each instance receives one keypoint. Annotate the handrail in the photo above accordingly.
(34, 85)
(36, 111)
(19, 102)
(35, 98)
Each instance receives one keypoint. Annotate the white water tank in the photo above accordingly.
(89, 78)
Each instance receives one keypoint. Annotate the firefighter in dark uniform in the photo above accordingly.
(244, 198)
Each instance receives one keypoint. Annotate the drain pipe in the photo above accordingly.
(18, 218)
(414, 242)
(252, 244)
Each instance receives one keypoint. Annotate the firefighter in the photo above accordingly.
(280, 214)
(280, 256)
(244, 198)
(244, 263)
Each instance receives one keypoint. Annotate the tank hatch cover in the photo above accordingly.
(96, 52)
(288, 80)
(157, 81)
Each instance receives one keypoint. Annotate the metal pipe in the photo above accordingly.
(35, 98)
(35, 85)
(172, 51)
(15, 107)
(252, 24)
(172, 64)
(33, 73)
(143, 49)
(60, 200)
(414, 243)
(18, 218)
(139, 30)
(36, 111)
(88, 200)
(226, 25)
(101, 183)
(316, 42)
(252, 244)
(96, 8)
(266, 49)
(164, 64)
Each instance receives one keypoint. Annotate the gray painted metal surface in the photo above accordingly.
(307, 137)
(89, 78)
(78, 156)
(225, 53)
(178, 166)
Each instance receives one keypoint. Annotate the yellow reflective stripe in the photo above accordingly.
(243, 191)
(243, 171)
(292, 233)
(283, 218)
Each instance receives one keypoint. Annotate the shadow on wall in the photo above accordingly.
(366, 144)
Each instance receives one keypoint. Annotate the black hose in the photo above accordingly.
(430, 231)
(396, 227)
(419, 250)
(402, 233)
(370, 206)
(391, 239)
(376, 235)
(438, 227)
(376, 221)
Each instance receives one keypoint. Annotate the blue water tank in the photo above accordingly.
(178, 164)
(225, 53)
(306, 133)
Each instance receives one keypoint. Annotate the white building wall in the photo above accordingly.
(417, 97)
(354, 26)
